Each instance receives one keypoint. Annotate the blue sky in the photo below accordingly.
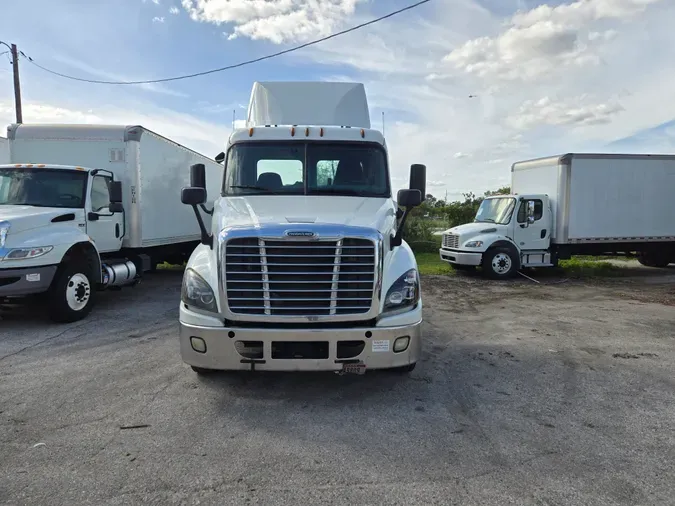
(550, 77)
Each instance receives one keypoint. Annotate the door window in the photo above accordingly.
(538, 210)
(100, 195)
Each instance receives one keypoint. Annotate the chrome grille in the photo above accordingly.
(299, 278)
(450, 241)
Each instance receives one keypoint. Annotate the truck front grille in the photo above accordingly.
(450, 241)
(299, 278)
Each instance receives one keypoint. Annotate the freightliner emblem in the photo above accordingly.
(300, 233)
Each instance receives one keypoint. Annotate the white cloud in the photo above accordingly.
(158, 19)
(174, 10)
(279, 21)
(578, 111)
(544, 40)
(459, 155)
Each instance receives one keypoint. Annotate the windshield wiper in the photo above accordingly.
(250, 187)
(486, 220)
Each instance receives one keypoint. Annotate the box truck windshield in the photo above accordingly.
(43, 187)
(497, 210)
(311, 168)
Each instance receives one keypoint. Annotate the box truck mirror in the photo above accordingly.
(220, 157)
(418, 179)
(115, 192)
(116, 207)
(198, 176)
(530, 211)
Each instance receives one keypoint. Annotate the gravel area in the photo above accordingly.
(550, 393)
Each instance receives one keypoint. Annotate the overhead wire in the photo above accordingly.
(236, 65)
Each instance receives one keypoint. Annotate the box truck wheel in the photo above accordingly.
(500, 262)
(71, 295)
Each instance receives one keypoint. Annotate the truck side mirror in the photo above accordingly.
(198, 176)
(220, 157)
(418, 179)
(530, 212)
(193, 196)
(409, 198)
(115, 192)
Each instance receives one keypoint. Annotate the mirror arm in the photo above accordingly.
(206, 238)
(204, 208)
(397, 239)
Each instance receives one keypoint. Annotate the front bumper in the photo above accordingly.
(377, 353)
(26, 281)
(460, 257)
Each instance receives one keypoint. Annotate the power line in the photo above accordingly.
(236, 65)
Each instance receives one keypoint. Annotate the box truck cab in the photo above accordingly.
(573, 204)
(304, 267)
(508, 232)
(67, 231)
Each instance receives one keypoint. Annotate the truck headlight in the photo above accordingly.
(473, 244)
(26, 253)
(196, 292)
(404, 293)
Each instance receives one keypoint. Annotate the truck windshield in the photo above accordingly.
(311, 168)
(42, 187)
(497, 210)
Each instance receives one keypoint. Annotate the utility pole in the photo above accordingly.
(234, 116)
(383, 123)
(17, 84)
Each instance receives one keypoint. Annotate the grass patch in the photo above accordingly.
(431, 264)
(582, 267)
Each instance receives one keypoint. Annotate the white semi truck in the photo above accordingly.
(90, 207)
(574, 204)
(304, 266)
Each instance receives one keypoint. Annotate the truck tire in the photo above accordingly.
(71, 296)
(500, 263)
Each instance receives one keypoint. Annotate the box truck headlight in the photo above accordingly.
(27, 253)
(196, 292)
(404, 293)
(473, 244)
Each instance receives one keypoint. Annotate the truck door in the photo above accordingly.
(533, 232)
(103, 227)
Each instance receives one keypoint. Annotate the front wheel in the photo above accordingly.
(71, 297)
(500, 263)
(653, 260)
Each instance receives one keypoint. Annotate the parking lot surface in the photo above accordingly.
(546, 394)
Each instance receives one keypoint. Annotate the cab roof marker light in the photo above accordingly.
(292, 131)
(321, 132)
(18, 165)
(363, 133)
(307, 132)
(250, 132)
(29, 165)
(41, 165)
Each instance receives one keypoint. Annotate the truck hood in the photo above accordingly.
(23, 218)
(472, 229)
(251, 211)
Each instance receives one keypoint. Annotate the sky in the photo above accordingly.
(467, 87)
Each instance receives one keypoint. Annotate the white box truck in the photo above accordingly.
(304, 266)
(574, 204)
(90, 207)
(4, 150)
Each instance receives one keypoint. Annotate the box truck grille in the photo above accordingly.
(299, 278)
(450, 241)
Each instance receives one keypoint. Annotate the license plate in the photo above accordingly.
(358, 368)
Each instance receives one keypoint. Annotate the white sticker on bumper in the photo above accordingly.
(380, 346)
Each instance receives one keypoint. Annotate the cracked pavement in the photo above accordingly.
(551, 394)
